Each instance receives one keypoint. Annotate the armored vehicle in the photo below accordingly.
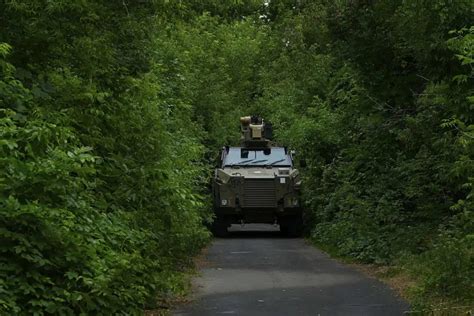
(257, 182)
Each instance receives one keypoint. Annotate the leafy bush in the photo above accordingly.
(378, 98)
(446, 270)
(111, 114)
(101, 204)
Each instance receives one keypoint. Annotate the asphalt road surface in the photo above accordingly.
(262, 273)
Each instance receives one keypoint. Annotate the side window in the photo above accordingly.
(224, 156)
(221, 159)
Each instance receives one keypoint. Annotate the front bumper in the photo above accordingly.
(256, 215)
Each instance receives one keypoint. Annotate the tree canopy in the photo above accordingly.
(112, 113)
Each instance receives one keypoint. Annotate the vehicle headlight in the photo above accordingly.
(224, 202)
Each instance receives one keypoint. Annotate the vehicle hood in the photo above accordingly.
(258, 173)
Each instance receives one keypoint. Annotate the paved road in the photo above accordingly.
(261, 273)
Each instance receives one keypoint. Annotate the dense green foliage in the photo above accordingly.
(379, 99)
(101, 164)
(112, 112)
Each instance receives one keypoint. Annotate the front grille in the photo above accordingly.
(259, 193)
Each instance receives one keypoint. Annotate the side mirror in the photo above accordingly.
(303, 163)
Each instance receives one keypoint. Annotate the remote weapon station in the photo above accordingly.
(256, 182)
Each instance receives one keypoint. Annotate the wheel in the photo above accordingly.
(295, 228)
(292, 226)
(219, 228)
(284, 229)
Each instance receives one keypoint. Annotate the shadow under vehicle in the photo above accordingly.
(257, 183)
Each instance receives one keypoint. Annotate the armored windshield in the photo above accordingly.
(275, 156)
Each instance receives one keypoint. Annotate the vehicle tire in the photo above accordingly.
(293, 227)
(219, 228)
(284, 229)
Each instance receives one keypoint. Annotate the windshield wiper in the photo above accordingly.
(238, 163)
(254, 161)
(272, 163)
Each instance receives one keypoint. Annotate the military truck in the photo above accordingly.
(257, 182)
